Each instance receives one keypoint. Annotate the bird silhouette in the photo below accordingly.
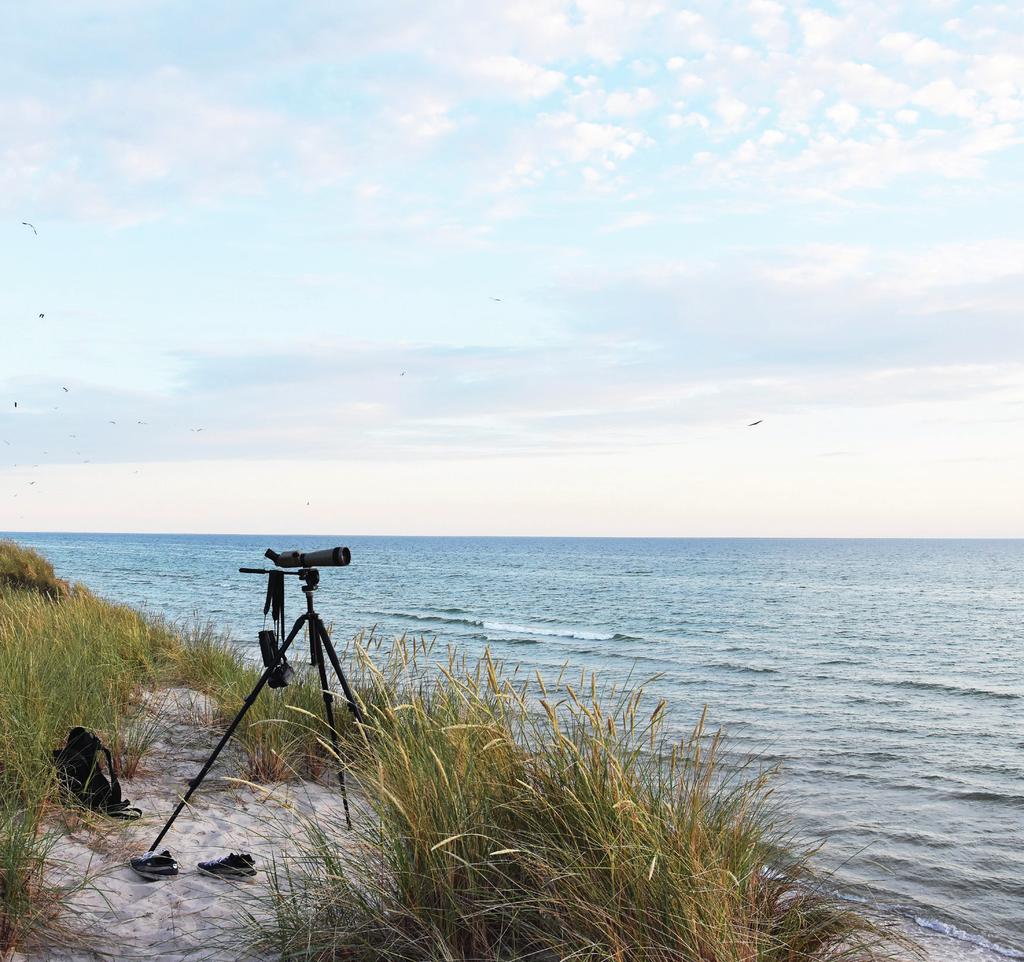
(64, 389)
(15, 403)
(42, 315)
(496, 299)
(754, 424)
(402, 374)
(111, 422)
(25, 223)
(142, 422)
(195, 430)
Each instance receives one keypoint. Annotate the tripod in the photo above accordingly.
(319, 642)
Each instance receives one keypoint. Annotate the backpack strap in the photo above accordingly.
(114, 799)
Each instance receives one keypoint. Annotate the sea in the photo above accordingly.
(885, 678)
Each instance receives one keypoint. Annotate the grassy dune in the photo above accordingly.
(514, 821)
(509, 820)
(69, 658)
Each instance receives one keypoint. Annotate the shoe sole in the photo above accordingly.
(153, 876)
(229, 876)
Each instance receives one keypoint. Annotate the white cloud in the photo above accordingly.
(844, 115)
(731, 109)
(427, 120)
(769, 23)
(917, 51)
(629, 103)
(516, 77)
(819, 29)
(865, 84)
(945, 98)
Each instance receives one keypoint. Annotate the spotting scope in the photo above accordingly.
(326, 558)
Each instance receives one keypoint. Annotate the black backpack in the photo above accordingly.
(80, 775)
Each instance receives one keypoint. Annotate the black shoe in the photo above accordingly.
(237, 867)
(153, 867)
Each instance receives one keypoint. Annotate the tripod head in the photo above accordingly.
(310, 576)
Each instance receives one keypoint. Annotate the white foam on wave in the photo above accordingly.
(932, 925)
(952, 932)
(547, 632)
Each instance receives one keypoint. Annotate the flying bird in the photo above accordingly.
(42, 315)
(754, 424)
(111, 422)
(142, 422)
(64, 389)
(496, 299)
(25, 223)
(402, 374)
(195, 430)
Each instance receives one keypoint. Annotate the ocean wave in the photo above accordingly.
(951, 689)
(1016, 801)
(752, 669)
(550, 632)
(952, 932)
(455, 616)
(444, 619)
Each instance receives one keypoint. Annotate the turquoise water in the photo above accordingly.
(885, 676)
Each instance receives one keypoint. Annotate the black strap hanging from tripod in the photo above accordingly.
(274, 605)
(270, 641)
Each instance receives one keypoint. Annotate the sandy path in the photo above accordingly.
(190, 917)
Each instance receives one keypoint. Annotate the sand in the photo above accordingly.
(119, 916)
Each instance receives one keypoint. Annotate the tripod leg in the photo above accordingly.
(197, 781)
(353, 705)
(316, 633)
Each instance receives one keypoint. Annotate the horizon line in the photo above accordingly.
(524, 537)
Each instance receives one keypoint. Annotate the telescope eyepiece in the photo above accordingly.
(326, 558)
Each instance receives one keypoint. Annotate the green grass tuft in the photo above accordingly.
(22, 567)
(514, 821)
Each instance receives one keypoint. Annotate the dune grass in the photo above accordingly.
(66, 658)
(513, 821)
(508, 820)
(24, 568)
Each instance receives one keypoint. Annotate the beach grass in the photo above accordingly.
(24, 568)
(66, 658)
(514, 820)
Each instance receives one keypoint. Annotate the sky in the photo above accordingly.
(526, 267)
